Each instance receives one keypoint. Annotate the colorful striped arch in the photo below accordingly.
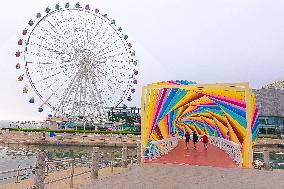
(224, 110)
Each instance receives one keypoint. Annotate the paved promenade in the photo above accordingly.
(165, 176)
(179, 170)
(212, 157)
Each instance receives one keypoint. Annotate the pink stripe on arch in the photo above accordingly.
(207, 104)
(161, 96)
(237, 102)
(230, 104)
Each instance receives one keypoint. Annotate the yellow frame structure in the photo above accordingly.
(242, 87)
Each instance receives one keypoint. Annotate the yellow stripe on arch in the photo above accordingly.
(190, 95)
(222, 128)
(150, 111)
(163, 127)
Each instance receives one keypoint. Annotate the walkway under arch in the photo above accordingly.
(214, 156)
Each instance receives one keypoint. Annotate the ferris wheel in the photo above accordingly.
(77, 61)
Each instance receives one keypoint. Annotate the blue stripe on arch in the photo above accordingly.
(171, 101)
(209, 128)
(167, 101)
(231, 107)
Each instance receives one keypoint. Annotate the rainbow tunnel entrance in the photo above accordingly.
(224, 110)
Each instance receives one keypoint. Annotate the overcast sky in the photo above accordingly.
(206, 41)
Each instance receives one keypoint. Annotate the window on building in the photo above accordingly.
(262, 121)
(262, 131)
(272, 121)
(271, 131)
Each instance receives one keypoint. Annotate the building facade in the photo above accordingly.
(271, 105)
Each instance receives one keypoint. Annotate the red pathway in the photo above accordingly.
(212, 157)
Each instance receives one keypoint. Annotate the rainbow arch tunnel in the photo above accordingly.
(224, 110)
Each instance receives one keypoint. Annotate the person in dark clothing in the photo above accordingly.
(187, 138)
(194, 139)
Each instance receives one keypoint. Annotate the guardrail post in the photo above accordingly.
(131, 158)
(17, 177)
(72, 173)
(154, 148)
(47, 170)
(95, 162)
(266, 159)
(124, 156)
(40, 170)
(111, 161)
(138, 152)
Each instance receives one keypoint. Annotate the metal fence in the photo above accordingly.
(161, 147)
(98, 160)
(16, 174)
(233, 149)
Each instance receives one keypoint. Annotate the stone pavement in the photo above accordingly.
(166, 176)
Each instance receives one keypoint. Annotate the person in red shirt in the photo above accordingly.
(205, 141)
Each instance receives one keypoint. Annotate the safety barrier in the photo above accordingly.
(233, 149)
(92, 165)
(16, 174)
(161, 147)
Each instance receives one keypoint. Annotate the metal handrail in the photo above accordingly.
(114, 161)
(233, 149)
(84, 172)
(17, 175)
(15, 170)
(161, 147)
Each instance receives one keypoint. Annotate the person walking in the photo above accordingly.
(187, 138)
(194, 139)
(205, 140)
